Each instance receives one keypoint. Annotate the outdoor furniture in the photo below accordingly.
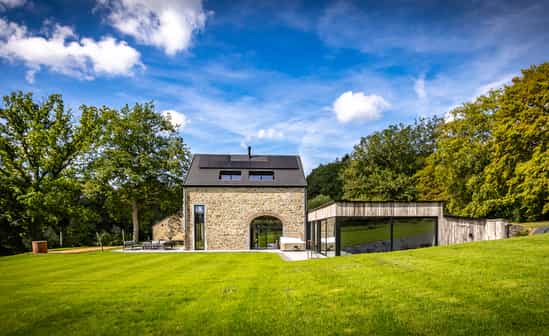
(153, 244)
(39, 246)
(291, 244)
(129, 244)
(168, 244)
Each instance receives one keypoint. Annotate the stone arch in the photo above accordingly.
(255, 215)
(265, 232)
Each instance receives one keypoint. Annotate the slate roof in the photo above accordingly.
(205, 170)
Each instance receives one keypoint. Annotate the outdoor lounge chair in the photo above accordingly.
(155, 244)
(129, 244)
(167, 244)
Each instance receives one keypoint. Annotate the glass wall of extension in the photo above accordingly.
(351, 235)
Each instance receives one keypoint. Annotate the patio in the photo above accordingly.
(285, 255)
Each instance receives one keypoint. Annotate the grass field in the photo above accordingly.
(488, 288)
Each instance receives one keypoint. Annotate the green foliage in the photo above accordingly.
(142, 163)
(40, 150)
(383, 165)
(492, 159)
(516, 181)
(326, 180)
(454, 170)
(317, 201)
(79, 175)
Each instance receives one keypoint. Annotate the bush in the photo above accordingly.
(318, 201)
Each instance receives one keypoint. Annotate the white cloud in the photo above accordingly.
(164, 24)
(7, 4)
(178, 119)
(262, 134)
(269, 133)
(419, 87)
(357, 106)
(62, 52)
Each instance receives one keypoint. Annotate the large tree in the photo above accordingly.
(40, 146)
(516, 182)
(142, 160)
(383, 165)
(326, 180)
(492, 157)
(454, 171)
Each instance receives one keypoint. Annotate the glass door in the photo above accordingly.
(265, 233)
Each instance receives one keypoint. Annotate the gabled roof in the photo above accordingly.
(205, 170)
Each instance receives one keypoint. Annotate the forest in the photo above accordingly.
(71, 177)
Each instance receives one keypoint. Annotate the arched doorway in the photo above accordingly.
(265, 233)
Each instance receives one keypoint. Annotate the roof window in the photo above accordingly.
(262, 176)
(233, 175)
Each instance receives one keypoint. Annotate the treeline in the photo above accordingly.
(71, 178)
(489, 158)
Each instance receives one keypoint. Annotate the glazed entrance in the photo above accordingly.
(265, 233)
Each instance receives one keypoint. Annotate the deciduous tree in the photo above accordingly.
(41, 146)
(142, 160)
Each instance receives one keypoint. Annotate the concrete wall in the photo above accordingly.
(170, 228)
(230, 210)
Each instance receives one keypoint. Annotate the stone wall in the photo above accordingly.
(229, 212)
(515, 230)
(170, 228)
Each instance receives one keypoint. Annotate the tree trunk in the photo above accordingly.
(135, 221)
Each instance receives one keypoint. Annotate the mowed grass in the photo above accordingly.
(485, 288)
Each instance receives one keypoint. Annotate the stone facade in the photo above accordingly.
(170, 228)
(229, 212)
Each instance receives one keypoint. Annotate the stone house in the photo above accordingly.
(169, 228)
(242, 202)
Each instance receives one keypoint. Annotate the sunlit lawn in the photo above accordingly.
(486, 288)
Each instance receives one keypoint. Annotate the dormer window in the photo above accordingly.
(230, 175)
(262, 176)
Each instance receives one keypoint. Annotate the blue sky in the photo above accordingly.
(307, 78)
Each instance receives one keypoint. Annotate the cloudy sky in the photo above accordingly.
(284, 77)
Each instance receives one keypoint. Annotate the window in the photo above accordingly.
(229, 175)
(198, 227)
(262, 176)
(368, 234)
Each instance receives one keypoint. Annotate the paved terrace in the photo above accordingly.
(285, 255)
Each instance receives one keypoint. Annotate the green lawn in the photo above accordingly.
(488, 288)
